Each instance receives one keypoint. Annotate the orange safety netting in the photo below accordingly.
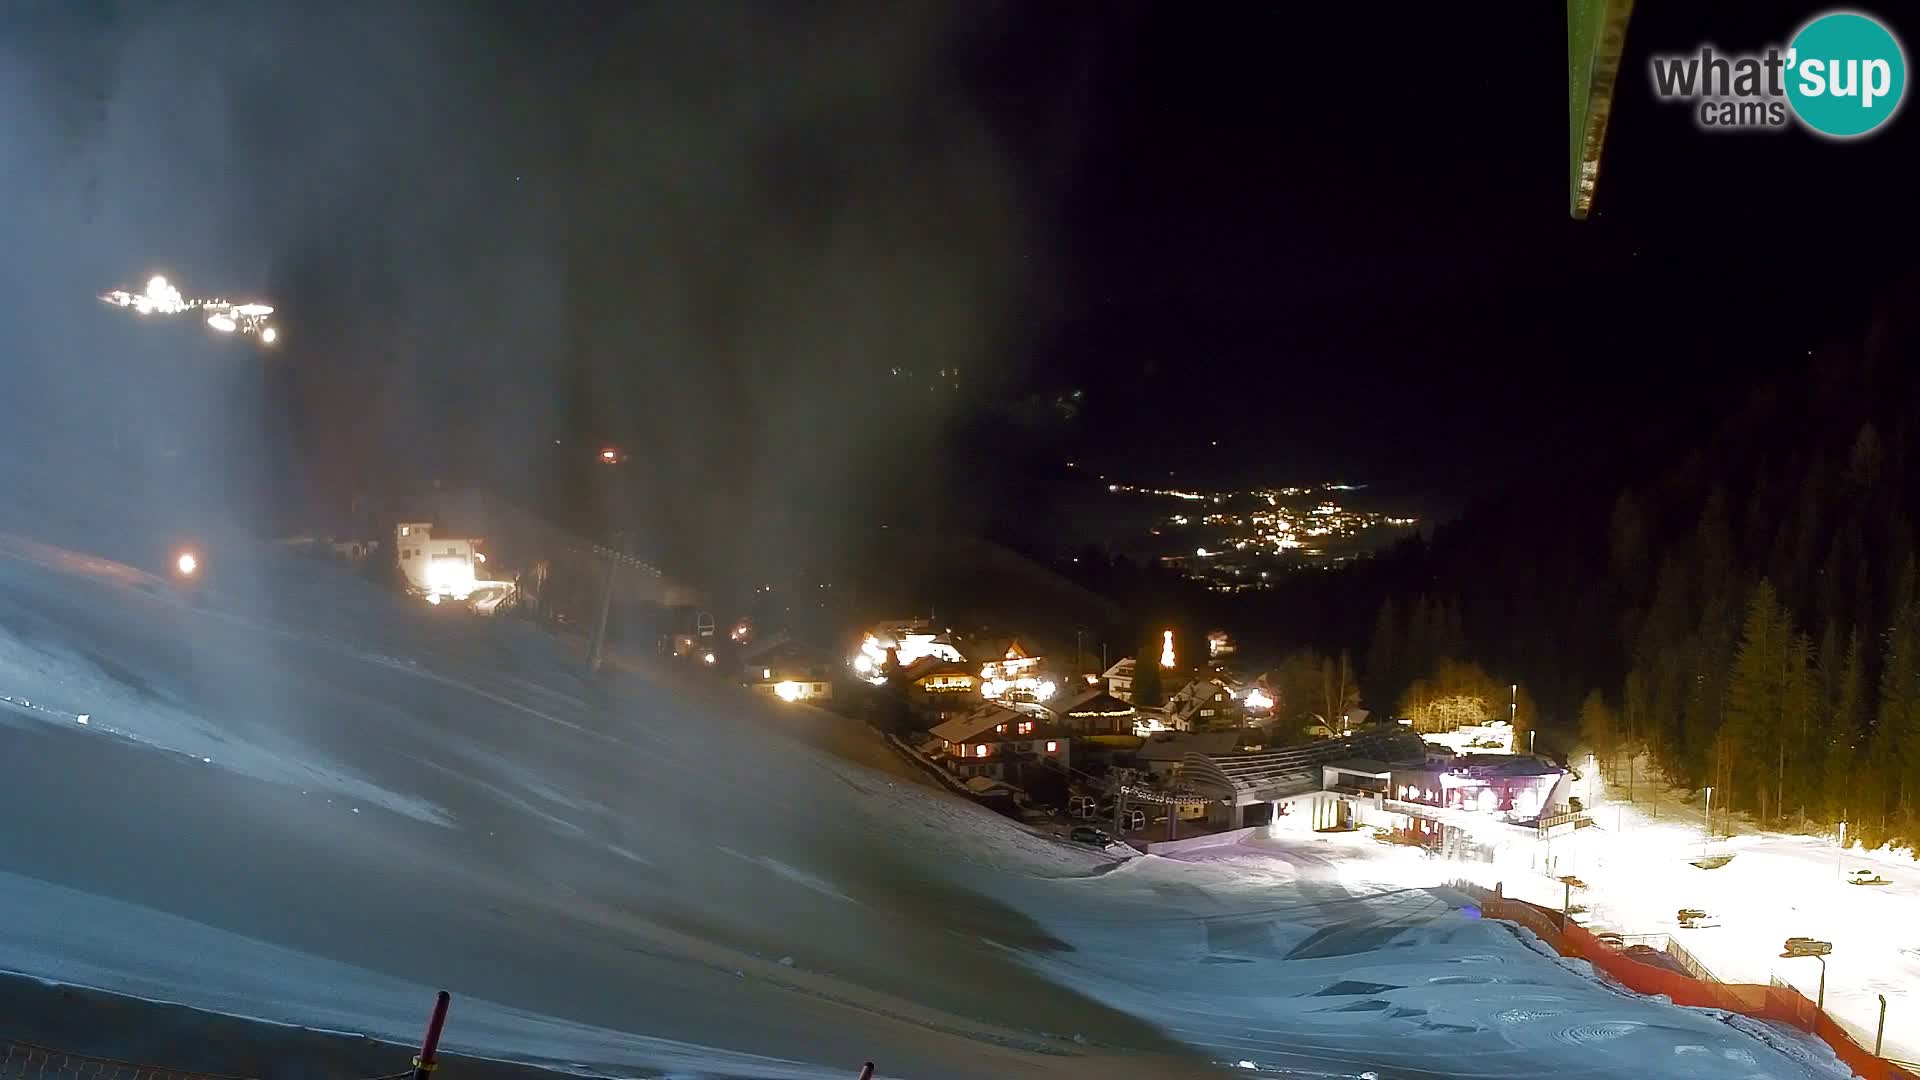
(1782, 1004)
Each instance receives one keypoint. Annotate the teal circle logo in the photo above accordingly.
(1846, 74)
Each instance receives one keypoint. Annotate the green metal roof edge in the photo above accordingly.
(1596, 37)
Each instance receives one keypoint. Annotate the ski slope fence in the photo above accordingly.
(1776, 1002)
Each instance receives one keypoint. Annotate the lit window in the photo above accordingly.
(406, 530)
(1001, 728)
(766, 673)
(1026, 727)
(1053, 747)
(980, 751)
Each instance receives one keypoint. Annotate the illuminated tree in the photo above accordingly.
(1460, 692)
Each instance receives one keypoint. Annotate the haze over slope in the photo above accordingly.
(305, 800)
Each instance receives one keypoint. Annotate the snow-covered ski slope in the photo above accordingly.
(307, 801)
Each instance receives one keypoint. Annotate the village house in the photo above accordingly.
(940, 690)
(1094, 712)
(788, 670)
(997, 742)
(1203, 705)
(1120, 679)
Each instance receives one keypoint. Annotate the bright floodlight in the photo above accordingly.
(163, 298)
(186, 563)
(787, 690)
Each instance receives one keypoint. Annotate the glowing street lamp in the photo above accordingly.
(186, 564)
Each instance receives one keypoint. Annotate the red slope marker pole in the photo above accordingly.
(866, 1071)
(424, 1065)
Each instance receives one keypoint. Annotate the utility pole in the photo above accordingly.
(1708, 838)
(596, 647)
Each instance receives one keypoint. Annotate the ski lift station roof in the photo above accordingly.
(1245, 779)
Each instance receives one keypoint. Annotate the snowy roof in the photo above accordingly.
(933, 665)
(1196, 695)
(1361, 765)
(1489, 766)
(977, 722)
(1121, 669)
(781, 647)
(1176, 745)
(1093, 702)
(1276, 773)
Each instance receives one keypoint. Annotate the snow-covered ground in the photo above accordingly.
(308, 801)
(1636, 863)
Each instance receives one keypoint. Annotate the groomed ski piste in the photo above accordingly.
(301, 799)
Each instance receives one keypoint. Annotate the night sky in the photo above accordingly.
(1345, 226)
(1332, 237)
